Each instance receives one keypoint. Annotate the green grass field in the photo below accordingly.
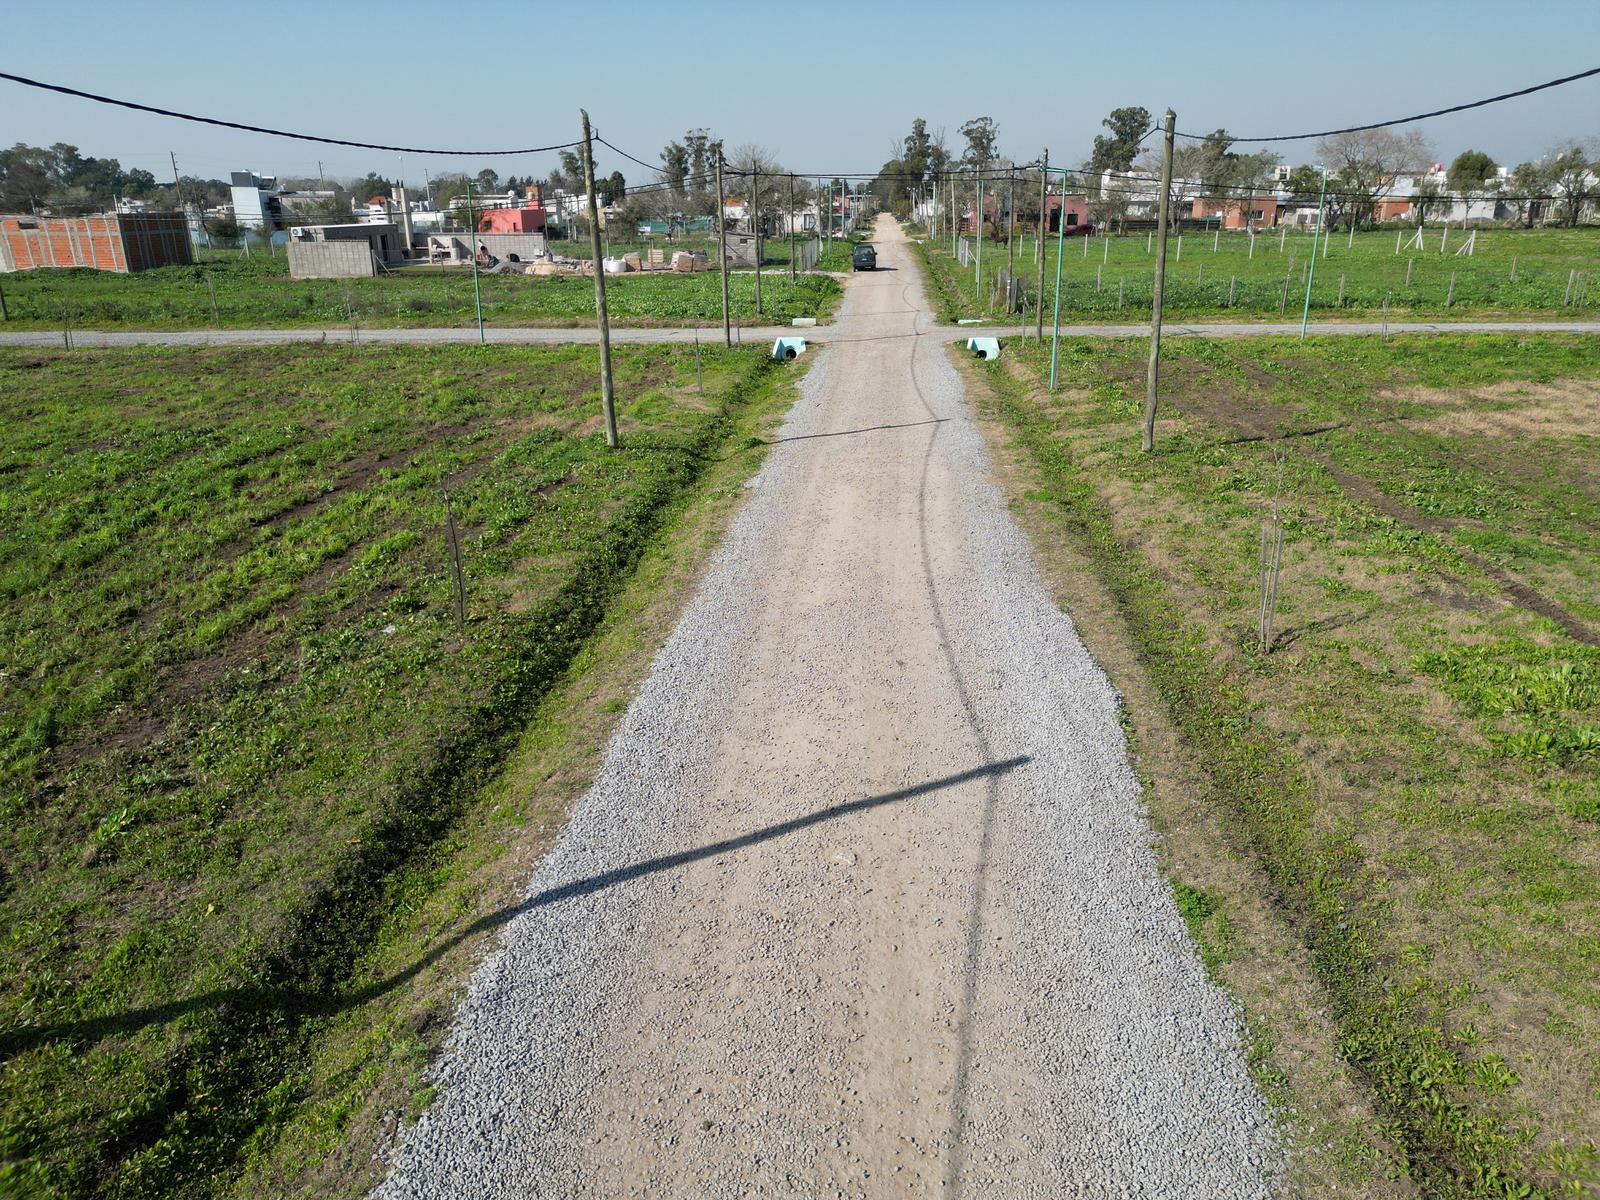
(247, 743)
(257, 292)
(1414, 768)
(1112, 278)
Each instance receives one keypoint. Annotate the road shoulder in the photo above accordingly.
(1247, 947)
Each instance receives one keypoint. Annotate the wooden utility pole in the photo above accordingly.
(722, 253)
(607, 396)
(977, 198)
(177, 187)
(1154, 370)
(1038, 249)
(1010, 239)
(755, 224)
(791, 228)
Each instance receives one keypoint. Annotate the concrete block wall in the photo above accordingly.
(526, 246)
(330, 260)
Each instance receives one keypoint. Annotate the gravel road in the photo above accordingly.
(863, 901)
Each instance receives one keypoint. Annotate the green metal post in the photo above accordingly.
(1061, 252)
(1305, 313)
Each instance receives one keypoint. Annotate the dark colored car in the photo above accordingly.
(864, 257)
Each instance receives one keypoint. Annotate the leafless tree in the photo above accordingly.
(751, 163)
(1364, 165)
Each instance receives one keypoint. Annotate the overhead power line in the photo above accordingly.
(283, 133)
(626, 155)
(1438, 112)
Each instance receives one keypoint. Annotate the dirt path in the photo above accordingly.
(862, 902)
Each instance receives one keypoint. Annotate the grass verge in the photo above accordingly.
(218, 866)
(258, 293)
(1511, 273)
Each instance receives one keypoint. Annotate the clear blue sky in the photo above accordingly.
(828, 87)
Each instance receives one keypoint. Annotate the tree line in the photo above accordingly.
(60, 180)
(1363, 169)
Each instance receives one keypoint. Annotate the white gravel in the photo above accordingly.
(863, 901)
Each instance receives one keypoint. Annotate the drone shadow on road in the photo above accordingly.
(308, 1004)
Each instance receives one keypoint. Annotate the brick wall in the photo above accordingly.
(107, 243)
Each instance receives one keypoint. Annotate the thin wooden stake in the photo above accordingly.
(1450, 293)
(1232, 279)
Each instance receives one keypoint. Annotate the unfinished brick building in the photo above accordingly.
(109, 242)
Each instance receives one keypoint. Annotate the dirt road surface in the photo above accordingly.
(863, 901)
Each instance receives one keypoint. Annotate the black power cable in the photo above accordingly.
(300, 137)
(1438, 112)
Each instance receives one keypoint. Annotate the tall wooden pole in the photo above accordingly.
(977, 275)
(607, 396)
(1011, 235)
(791, 228)
(722, 253)
(755, 224)
(1152, 374)
(1038, 249)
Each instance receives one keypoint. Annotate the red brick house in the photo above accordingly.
(1239, 212)
(121, 242)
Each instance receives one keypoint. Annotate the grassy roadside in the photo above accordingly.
(300, 843)
(257, 293)
(363, 1079)
(1414, 795)
(1339, 1150)
(1512, 273)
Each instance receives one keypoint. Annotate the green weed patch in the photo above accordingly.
(244, 729)
(1428, 875)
